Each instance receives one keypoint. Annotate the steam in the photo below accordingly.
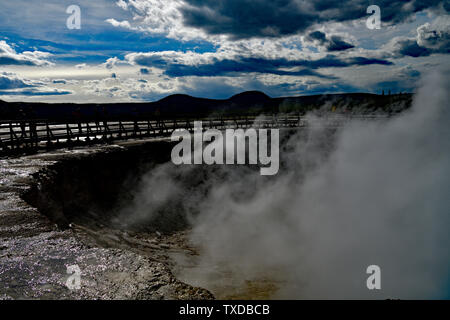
(373, 193)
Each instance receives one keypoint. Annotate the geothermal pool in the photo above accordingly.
(140, 227)
(83, 205)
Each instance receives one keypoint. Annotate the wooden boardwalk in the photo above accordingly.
(28, 136)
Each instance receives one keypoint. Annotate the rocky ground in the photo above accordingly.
(114, 264)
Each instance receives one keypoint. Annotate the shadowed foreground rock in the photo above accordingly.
(115, 264)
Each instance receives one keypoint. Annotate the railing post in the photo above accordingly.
(149, 126)
(88, 132)
(80, 131)
(11, 134)
(68, 133)
(49, 134)
(135, 128)
(105, 130)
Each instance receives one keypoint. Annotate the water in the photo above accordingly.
(221, 281)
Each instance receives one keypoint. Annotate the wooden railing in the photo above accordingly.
(19, 136)
(27, 136)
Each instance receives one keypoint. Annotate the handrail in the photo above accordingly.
(18, 136)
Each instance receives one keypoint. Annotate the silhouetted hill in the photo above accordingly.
(182, 105)
(257, 97)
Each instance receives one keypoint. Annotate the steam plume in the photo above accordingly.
(373, 193)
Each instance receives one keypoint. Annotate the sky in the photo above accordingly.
(144, 50)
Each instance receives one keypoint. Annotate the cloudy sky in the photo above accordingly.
(143, 50)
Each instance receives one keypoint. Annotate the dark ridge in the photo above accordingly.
(250, 96)
(185, 105)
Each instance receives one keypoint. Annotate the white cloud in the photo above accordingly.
(115, 23)
(9, 56)
(435, 35)
(161, 17)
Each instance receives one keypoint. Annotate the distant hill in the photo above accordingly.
(182, 105)
(250, 97)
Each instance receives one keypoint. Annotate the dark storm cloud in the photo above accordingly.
(409, 47)
(157, 61)
(59, 81)
(318, 36)
(333, 43)
(245, 65)
(273, 18)
(255, 65)
(331, 61)
(144, 71)
(336, 43)
(32, 92)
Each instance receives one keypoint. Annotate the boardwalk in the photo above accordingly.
(27, 136)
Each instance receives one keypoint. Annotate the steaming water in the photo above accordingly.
(222, 282)
(374, 193)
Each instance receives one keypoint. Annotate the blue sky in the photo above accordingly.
(143, 50)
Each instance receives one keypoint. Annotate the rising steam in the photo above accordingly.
(373, 193)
